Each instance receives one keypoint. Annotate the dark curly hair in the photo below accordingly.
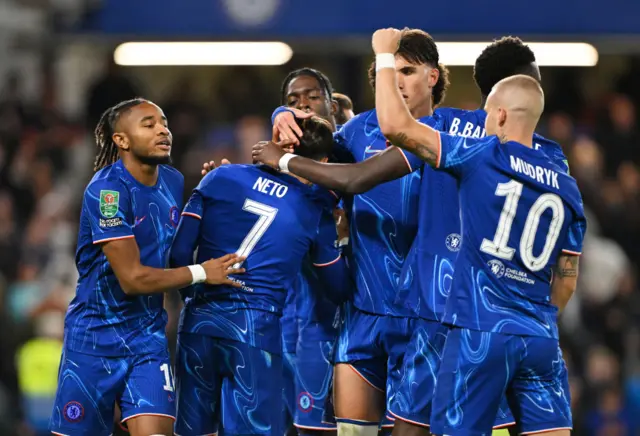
(322, 79)
(418, 47)
(505, 57)
(107, 149)
(316, 141)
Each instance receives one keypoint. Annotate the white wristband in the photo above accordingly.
(198, 274)
(283, 163)
(385, 60)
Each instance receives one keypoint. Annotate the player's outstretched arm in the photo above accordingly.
(396, 122)
(357, 178)
(136, 279)
(565, 280)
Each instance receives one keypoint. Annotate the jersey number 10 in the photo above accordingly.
(498, 246)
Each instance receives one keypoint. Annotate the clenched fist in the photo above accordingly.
(386, 40)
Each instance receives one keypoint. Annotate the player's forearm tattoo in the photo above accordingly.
(402, 140)
(567, 266)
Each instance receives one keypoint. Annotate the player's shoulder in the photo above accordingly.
(169, 172)
(453, 112)
(362, 119)
(111, 177)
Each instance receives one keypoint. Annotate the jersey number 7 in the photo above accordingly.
(498, 246)
(266, 216)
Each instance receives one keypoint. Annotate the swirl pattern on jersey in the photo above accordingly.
(383, 223)
(102, 319)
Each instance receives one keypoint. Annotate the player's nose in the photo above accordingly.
(163, 130)
(303, 104)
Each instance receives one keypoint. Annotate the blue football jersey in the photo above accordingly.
(275, 221)
(289, 322)
(383, 221)
(461, 122)
(519, 212)
(317, 315)
(428, 271)
(101, 319)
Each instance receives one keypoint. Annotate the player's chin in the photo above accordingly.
(162, 158)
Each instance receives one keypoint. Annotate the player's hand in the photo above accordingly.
(386, 40)
(207, 167)
(268, 153)
(218, 270)
(342, 224)
(285, 126)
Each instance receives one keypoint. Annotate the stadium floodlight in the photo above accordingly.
(202, 53)
(548, 54)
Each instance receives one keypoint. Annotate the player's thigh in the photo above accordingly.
(539, 395)
(411, 403)
(198, 384)
(313, 376)
(360, 373)
(474, 371)
(87, 390)
(251, 390)
(145, 425)
(148, 400)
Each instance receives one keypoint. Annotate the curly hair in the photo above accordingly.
(505, 57)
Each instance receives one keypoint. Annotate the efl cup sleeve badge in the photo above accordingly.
(73, 411)
(109, 201)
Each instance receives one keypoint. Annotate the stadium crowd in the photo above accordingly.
(45, 162)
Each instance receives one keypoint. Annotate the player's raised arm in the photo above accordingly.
(396, 122)
(388, 165)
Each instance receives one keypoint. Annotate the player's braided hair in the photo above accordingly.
(322, 79)
(107, 149)
(505, 57)
(418, 47)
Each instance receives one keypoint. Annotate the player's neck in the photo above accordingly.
(423, 110)
(143, 173)
(524, 137)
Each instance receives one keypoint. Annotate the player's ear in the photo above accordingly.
(324, 160)
(334, 108)
(434, 75)
(502, 117)
(121, 140)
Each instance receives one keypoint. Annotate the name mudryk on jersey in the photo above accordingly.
(538, 173)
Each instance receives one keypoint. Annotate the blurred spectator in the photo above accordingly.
(108, 91)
